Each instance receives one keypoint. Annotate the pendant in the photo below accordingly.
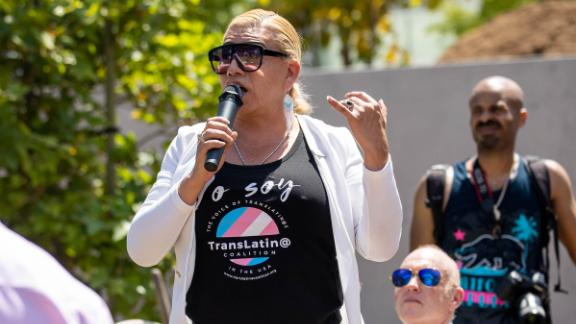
(497, 214)
(497, 230)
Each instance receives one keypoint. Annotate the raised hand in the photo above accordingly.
(367, 118)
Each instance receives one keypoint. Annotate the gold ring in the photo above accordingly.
(201, 138)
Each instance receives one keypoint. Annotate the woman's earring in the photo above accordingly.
(288, 103)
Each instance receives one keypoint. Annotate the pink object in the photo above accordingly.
(36, 289)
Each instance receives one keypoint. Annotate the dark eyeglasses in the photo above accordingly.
(429, 277)
(248, 56)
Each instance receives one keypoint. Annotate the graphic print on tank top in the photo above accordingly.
(484, 258)
(248, 233)
(264, 238)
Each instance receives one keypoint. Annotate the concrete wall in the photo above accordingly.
(428, 124)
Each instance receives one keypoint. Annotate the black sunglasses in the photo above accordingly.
(429, 277)
(248, 56)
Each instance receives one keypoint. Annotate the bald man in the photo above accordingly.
(489, 213)
(427, 287)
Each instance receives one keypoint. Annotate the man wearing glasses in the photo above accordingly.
(427, 287)
(494, 213)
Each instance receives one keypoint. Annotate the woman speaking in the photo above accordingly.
(269, 236)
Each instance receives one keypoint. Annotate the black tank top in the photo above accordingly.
(265, 248)
(483, 258)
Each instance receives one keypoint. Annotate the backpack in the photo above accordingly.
(540, 182)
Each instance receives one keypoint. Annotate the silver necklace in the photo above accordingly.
(496, 207)
(241, 157)
(511, 174)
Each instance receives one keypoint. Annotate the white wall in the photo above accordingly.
(428, 118)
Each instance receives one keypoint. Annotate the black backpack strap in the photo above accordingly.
(435, 183)
(541, 178)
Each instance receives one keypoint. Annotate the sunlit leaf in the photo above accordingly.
(391, 55)
(55, 151)
(334, 14)
(414, 3)
(383, 25)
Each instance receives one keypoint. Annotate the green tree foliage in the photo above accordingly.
(361, 27)
(458, 19)
(69, 180)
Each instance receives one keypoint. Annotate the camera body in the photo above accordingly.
(527, 294)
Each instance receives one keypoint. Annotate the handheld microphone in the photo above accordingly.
(228, 104)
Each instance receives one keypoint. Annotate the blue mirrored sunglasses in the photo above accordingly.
(429, 277)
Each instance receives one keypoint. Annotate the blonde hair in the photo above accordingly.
(288, 41)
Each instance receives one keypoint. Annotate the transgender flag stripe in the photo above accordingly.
(242, 262)
(258, 226)
(256, 261)
(271, 229)
(244, 221)
(249, 261)
(229, 220)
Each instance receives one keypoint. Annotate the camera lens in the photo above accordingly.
(531, 310)
(511, 286)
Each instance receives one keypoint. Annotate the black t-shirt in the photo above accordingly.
(265, 248)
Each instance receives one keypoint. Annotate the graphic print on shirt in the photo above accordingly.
(249, 233)
(487, 258)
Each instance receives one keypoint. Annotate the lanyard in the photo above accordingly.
(486, 197)
(483, 192)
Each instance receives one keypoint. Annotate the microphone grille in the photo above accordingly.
(233, 89)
